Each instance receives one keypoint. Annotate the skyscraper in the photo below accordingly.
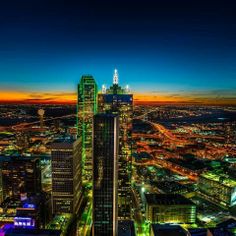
(66, 176)
(87, 107)
(105, 158)
(119, 101)
(20, 176)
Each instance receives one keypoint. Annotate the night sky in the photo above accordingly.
(169, 50)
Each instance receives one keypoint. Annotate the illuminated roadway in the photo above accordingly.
(173, 139)
(85, 223)
(23, 125)
(161, 129)
(173, 167)
(141, 117)
(167, 133)
(211, 153)
(137, 213)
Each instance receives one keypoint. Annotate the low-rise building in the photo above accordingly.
(169, 208)
(218, 188)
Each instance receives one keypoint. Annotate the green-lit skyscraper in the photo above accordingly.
(87, 107)
(117, 100)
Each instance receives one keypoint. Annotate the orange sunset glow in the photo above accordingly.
(30, 97)
(139, 98)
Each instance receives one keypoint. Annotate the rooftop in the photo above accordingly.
(198, 232)
(222, 178)
(87, 78)
(66, 143)
(230, 223)
(168, 230)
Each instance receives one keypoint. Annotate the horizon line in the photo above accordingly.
(136, 102)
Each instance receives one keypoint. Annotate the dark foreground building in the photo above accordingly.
(20, 176)
(105, 158)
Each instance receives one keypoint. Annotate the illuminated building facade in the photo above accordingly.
(218, 188)
(169, 208)
(21, 176)
(105, 164)
(66, 176)
(119, 101)
(31, 213)
(86, 108)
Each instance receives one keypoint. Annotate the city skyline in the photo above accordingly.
(117, 118)
(167, 51)
(204, 97)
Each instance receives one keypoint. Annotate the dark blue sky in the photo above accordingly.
(158, 46)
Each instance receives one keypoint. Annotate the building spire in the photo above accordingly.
(104, 89)
(115, 77)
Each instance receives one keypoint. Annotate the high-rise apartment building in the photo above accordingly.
(66, 176)
(21, 176)
(117, 100)
(86, 108)
(105, 164)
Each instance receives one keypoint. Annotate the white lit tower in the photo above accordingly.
(115, 77)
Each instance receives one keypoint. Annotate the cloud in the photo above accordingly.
(39, 99)
(175, 95)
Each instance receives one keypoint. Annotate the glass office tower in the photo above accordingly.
(118, 100)
(105, 158)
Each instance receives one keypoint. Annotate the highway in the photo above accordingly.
(170, 166)
(23, 125)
